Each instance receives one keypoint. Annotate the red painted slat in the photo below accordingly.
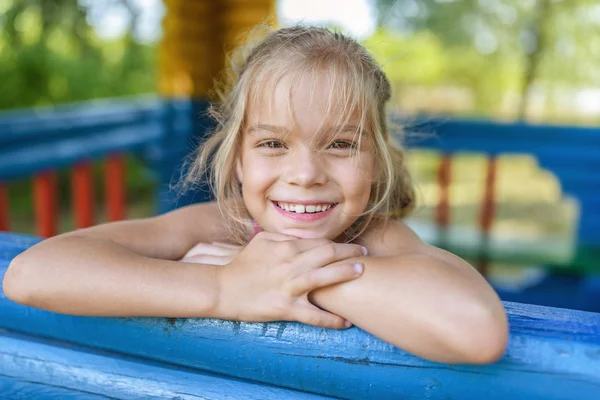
(487, 212)
(114, 187)
(44, 192)
(82, 191)
(488, 206)
(442, 214)
(4, 208)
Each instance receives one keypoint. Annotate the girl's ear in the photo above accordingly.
(238, 170)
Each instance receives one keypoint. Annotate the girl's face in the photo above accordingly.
(298, 178)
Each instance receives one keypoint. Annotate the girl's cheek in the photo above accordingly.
(264, 171)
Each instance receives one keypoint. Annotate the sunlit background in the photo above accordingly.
(500, 58)
(529, 60)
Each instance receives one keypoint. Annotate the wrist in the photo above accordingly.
(221, 301)
(201, 289)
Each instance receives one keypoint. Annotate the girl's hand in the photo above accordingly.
(215, 253)
(271, 278)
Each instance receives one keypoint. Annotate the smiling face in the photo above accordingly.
(302, 169)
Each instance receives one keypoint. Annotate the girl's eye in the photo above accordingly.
(271, 144)
(342, 145)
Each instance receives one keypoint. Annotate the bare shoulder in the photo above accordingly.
(200, 222)
(391, 238)
(395, 238)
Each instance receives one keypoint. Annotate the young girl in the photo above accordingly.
(306, 224)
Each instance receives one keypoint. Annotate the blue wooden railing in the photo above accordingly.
(552, 354)
(158, 130)
(571, 153)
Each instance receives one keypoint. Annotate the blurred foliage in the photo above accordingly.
(52, 55)
(506, 59)
(500, 51)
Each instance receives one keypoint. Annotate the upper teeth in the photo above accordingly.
(302, 208)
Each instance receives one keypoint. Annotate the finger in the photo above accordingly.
(325, 276)
(208, 259)
(328, 254)
(311, 315)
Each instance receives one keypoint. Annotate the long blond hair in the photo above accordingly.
(357, 79)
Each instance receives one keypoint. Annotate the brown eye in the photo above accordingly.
(342, 145)
(271, 144)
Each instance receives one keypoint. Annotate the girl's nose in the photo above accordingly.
(305, 168)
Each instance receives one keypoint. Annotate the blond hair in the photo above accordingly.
(356, 78)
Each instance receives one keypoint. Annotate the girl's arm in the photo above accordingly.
(121, 268)
(126, 269)
(421, 299)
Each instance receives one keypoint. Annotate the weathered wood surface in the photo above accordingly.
(35, 368)
(552, 354)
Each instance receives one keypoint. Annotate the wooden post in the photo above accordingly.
(197, 36)
(44, 192)
(82, 190)
(442, 211)
(114, 187)
(4, 208)
(487, 213)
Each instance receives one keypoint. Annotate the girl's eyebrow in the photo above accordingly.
(267, 127)
(347, 128)
(282, 129)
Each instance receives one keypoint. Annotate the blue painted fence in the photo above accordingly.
(571, 153)
(163, 131)
(552, 354)
(157, 130)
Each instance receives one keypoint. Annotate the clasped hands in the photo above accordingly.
(271, 278)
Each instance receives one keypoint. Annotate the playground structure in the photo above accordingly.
(553, 353)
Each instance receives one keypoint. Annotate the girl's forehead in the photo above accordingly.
(316, 100)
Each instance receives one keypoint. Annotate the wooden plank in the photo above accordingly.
(35, 368)
(552, 353)
(79, 118)
(512, 133)
(28, 158)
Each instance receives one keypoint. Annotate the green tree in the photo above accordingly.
(52, 55)
(500, 46)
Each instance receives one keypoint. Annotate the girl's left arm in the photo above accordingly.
(422, 299)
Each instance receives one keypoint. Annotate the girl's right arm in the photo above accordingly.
(128, 268)
(122, 268)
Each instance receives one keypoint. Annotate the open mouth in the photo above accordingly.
(305, 208)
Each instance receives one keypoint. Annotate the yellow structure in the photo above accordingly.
(197, 35)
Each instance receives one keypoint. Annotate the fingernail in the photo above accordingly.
(364, 250)
(358, 268)
(347, 324)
